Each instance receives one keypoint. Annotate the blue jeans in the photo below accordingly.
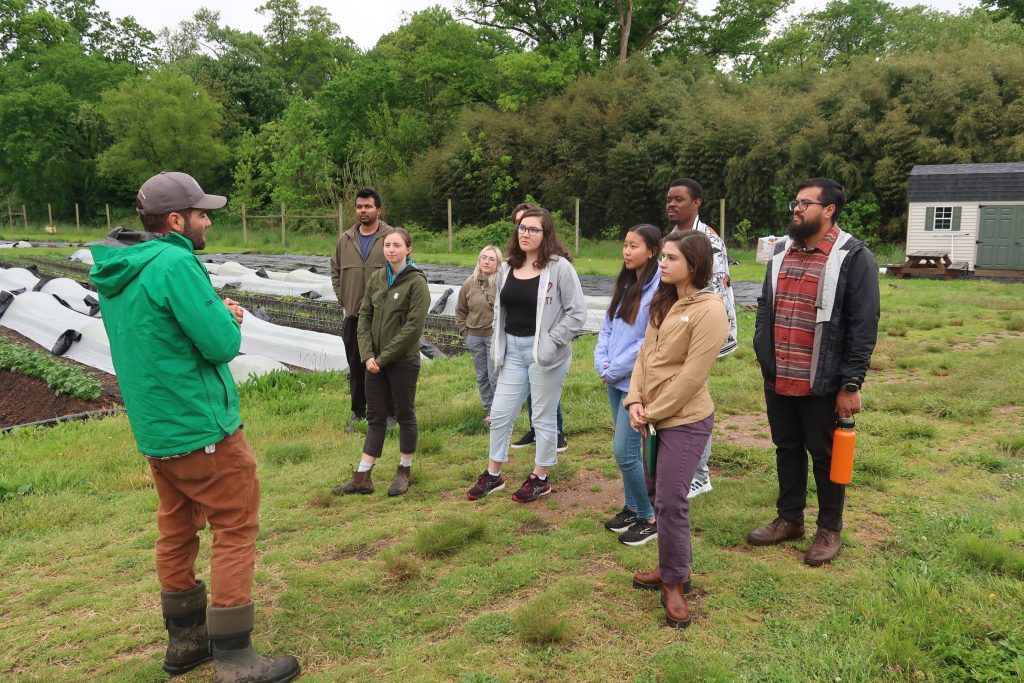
(521, 376)
(558, 414)
(626, 448)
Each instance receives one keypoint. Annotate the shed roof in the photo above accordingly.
(966, 182)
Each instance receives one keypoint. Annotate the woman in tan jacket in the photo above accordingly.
(668, 393)
(474, 315)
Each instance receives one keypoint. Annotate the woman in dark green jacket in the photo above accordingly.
(391, 320)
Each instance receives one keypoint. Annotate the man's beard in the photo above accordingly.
(801, 231)
(197, 238)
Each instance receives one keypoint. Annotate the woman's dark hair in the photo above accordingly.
(629, 288)
(696, 249)
(525, 206)
(550, 245)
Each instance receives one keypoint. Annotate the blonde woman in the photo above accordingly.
(474, 314)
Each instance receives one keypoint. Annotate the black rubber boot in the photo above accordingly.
(185, 619)
(234, 660)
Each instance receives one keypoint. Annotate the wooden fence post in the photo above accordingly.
(577, 226)
(10, 215)
(341, 218)
(49, 212)
(24, 217)
(721, 219)
(282, 225)
(78, 222)
(108, 217)
(449, 226)
(245, 228)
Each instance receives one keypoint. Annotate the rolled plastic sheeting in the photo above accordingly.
(231, 268)
(45, 321)
(82, 256)
(247, 366)
(17, 278)
(77, 297)
(15, 245)
(302, 348)
(302, 275)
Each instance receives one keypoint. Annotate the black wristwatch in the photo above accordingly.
(851, 387)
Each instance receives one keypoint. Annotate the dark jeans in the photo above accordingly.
(802, 424)
(395, 383)
(356, 369)
(679, 451)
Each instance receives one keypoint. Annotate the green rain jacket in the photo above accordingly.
(171, 338)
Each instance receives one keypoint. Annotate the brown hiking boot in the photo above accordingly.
(677, 613)
(824, 548)
(361, 482)
(651, 581)
(776, 531)
(401, 482)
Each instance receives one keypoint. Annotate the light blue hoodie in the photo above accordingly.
(619, 342)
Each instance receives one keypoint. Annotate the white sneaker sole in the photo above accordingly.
(706, 488)
(645, 539)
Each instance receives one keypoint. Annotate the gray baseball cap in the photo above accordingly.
(175, 191)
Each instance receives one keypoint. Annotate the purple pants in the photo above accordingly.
(679, 452)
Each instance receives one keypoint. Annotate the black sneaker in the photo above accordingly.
(532, 489)
(352, 421)
(621, 521)
(638, 534)
(528, 440)
(563, 445)
(485, 485)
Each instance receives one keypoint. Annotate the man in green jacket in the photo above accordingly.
(358, 254)
(171, 338)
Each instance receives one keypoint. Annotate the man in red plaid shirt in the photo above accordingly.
(817, 322)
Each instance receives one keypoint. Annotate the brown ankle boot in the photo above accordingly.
(677, 613)
(401, 482)
(776, 531)
(824, 548)
(651, 581)
(361, 482)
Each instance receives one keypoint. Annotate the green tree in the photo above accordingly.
(161, 121)
(302, 173)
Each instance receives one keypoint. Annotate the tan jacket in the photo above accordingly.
(474, 311)
(672, 368)
(349, 273)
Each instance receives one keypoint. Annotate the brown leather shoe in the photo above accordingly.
(776, 531)
(677, 613)
(361, 482)
(651, 581)
(401, 482)
(824, 548)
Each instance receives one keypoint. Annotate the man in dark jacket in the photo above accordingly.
(358, 254)
(171, 339)
(817, 322)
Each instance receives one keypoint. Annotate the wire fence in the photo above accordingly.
(304, 314)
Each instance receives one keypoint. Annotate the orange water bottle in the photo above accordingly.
(843, 439)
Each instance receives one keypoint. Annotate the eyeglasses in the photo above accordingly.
(529, 230)
(803, 204)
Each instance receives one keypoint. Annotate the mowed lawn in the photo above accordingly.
(929, 585)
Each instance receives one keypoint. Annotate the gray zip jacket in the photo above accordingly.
(561, 313)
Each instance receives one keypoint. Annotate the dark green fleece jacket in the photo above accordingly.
(391, 318)
(171, 338)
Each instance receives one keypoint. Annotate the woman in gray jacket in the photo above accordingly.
(538, 311)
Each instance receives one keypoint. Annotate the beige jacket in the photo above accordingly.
(672, 368)
(349, 273)
(474, 311)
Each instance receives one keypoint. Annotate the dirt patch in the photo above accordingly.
(988, 339)
(743, 430)
(29, 399)
(583, 491)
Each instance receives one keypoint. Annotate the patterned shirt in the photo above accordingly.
(796, 294)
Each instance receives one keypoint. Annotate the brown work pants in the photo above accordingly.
(220, 488)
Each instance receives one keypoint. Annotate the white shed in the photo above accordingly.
(973, 211)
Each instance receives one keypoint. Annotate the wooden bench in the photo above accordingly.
(930, 262)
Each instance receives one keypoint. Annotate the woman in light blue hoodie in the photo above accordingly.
(616, 351)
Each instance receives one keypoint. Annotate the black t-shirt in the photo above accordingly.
(519, 299)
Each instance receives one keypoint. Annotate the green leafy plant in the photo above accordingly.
(62, 378)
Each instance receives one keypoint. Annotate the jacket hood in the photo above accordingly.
(115, 267)
(123, 237)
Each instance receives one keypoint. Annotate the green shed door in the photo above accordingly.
(1001, 238)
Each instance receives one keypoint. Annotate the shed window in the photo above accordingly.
(943, 218)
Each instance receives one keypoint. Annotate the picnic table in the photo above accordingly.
(929, 262)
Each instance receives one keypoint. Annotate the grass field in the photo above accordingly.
(929, 585)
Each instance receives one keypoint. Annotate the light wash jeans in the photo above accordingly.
(626, 448)
(486, 375)
(521, 376)
(703, 473)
